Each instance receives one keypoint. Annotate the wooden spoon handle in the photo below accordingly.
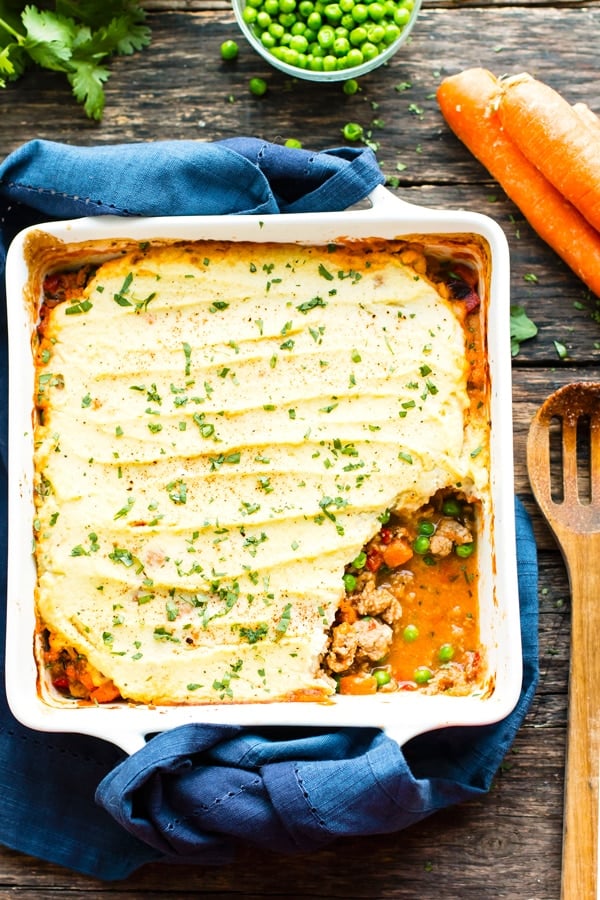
(582, 809)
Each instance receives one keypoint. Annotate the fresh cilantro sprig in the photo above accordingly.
(522, 328)
(77, 37)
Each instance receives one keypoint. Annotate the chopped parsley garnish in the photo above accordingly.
(126, 558)
(124, 509)
(177, 491)
(121, 297)
(253, 635)
(284, 620)
(311, 304)
(81, 306)
(187, 350)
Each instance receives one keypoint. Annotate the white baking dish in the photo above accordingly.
(403, 714)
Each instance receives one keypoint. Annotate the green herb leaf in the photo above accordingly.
(77, 39)
(521, 328)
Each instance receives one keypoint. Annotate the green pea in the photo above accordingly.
(272, 7)
(294, 143)
(349, 581)
(351, 87)
(333, 13)
(445, 653)
(410, 633)
(287, 6)
(249, 15)
(268, 40)
(376, 11)
(258, 86)
(376, 34)
(354, 58)
(451, 507)
(361, 559)
(392, 33)
(401, 17)
(464, 550)
(229, 50)
(326, 36)
(358, 35)
(352, 131)
(422, 674)
(287, 19)
(299, 43)
(314, 21)
(306, 8)
(341, 46)
(382, 676)
(276, 30)
(421, 544)
(291, 57)
(263, 20)
(426, 528)
(369, 50)
(360, 13)
(329, 63)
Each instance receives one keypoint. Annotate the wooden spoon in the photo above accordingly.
(564, 441)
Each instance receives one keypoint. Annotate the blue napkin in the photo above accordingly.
(192, 794)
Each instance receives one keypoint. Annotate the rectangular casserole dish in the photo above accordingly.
(401, 714)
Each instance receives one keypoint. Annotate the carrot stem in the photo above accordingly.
(468, 101)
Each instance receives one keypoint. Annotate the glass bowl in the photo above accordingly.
(386, 50)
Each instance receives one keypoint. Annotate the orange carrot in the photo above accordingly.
(468, 103)
(357, 684)
(551, 134)
(104, 693)
(397, 553)
(588, 116)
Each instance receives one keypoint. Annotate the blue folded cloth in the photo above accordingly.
(190, 795)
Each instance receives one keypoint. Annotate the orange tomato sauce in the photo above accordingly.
(443, 606)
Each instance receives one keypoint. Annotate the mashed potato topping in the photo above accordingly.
(221, 428)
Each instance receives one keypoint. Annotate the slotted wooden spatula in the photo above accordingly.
(563, 459)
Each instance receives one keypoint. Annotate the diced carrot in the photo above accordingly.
(551, 134)
(104, 693)
(397, 553)
(358, 684)
(468, 102)
(347, 612)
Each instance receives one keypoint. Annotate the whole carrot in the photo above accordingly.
(552, 134)
(588, 116)
(468, 102)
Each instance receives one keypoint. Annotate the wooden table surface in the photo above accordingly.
(506, 845)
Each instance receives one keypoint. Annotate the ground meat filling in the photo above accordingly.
(371, 629)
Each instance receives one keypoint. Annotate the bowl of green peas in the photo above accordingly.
(326, 40)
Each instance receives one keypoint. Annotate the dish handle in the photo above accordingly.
(382, 201)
